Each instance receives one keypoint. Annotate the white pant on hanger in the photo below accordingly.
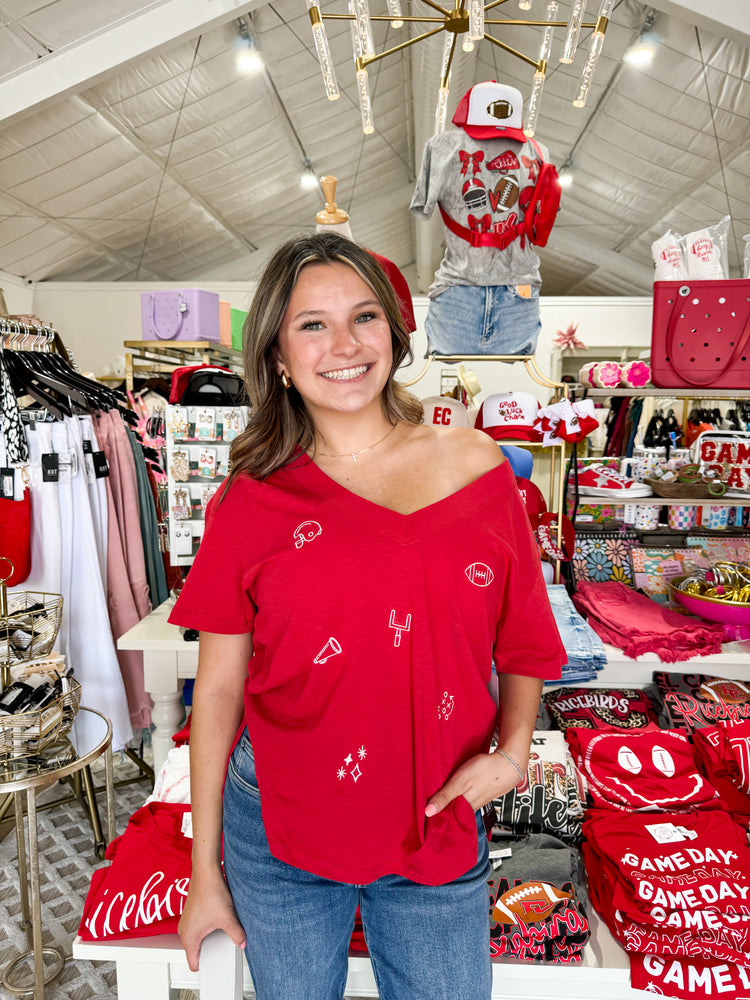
(98, 498)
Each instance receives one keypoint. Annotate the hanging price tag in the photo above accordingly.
(50, 468)
(7, 483)
(101, 466)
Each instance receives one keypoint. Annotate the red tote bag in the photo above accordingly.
(700, 336)
(15, 539)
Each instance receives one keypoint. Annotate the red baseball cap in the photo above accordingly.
(509, 415)
(491, 110)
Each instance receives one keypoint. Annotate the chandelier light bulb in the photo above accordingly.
(467, 45)
(524, 4)
(364, 26)
(323, 51)
(394, 9)
(441, 111)
(365, 106)
(476, 20)
(597, 41)
(588, 71)
(565, 179)
(570, 44)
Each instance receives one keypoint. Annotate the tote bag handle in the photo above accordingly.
(742, 341)
(182, 310)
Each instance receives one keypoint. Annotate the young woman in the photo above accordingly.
(358, 576)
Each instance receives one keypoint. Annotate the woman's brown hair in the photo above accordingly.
(279, 422)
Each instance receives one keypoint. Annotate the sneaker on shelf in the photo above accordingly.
(604, 481)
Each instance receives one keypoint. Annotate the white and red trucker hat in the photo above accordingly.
(445, 412)
(491, 110)
(509, 415)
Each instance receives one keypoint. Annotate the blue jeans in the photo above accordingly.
(582, 644)
(473, 319)
(425, 942)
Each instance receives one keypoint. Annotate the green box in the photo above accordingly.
(238, 317)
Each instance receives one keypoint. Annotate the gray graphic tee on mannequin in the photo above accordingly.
(480, 185)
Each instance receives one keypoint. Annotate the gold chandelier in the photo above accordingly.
(471, 25)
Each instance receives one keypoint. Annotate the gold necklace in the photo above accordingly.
(354, 455)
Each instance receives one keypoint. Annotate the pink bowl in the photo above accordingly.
(711, 608)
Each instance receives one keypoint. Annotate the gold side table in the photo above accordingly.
(90, 738)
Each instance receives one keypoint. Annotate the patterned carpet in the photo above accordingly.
(67, 859)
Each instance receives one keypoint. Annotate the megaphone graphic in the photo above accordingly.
(331, 648)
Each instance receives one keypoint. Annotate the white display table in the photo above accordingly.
(148, 968)
(168, 660)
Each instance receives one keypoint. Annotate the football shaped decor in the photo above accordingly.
(528, 903)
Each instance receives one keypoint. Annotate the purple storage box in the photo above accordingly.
(184, 314)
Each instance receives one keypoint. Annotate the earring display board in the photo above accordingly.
(198, 441)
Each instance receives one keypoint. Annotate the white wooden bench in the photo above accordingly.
(149, 968)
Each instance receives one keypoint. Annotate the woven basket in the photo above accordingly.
(24, 734)
(682, 491)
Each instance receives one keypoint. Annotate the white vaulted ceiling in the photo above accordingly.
(132, 149)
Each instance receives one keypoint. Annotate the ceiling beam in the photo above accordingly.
(84, 63)
(725, 18)
(605, 260)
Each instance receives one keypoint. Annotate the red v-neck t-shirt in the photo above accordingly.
(373, 634)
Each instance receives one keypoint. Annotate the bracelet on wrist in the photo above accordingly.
(513, 763)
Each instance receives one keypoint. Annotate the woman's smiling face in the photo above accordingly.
(334, 341)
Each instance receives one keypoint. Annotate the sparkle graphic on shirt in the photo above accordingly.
(305, 532)
(399, 627)
(346, 768)
(331, 648)
(446, 707)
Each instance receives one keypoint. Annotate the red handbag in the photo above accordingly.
(700, 335)
(15, 538)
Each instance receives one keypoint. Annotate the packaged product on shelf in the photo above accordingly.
(669, 259)
(706, 251)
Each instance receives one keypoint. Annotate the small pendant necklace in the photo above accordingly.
(354, 455)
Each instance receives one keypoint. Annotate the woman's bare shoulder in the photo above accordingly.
(473, 451)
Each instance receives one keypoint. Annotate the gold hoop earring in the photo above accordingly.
(285, 380)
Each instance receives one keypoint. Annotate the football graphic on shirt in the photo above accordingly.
(528, 903)
(504, 195)
(718, 689)
(479, 574)
(663, 761)
(628, 760)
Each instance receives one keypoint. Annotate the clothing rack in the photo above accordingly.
(15, 335)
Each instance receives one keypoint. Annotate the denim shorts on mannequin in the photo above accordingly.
(473, 319)
(425, 942)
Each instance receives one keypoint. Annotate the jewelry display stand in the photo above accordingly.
(198, 440)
